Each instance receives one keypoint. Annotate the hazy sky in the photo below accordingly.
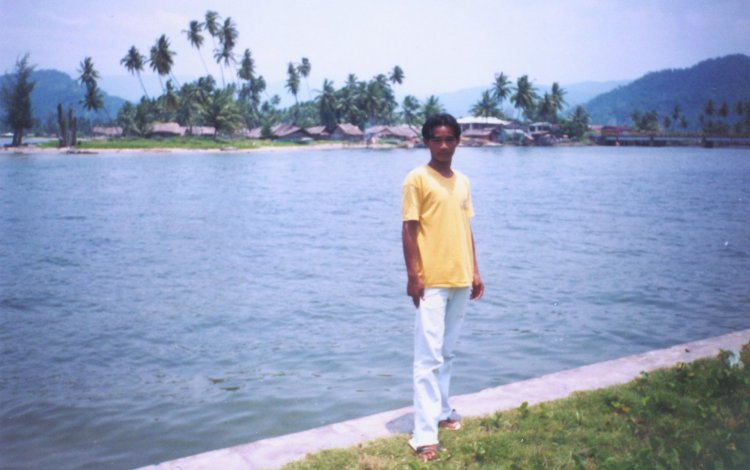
(441, 45)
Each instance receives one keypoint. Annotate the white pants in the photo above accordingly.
(438, 323)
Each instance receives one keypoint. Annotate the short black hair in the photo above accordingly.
(437, 120)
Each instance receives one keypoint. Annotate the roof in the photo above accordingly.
(403, 131)
(286, 130)
(477, 133)
(318, 131)
(202, 130)
(167, 128)
(107, 131)
(483, 120)
(349, 129)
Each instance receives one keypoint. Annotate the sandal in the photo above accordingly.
(451, 424)
(429, 453)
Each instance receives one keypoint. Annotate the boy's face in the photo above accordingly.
(442, 144)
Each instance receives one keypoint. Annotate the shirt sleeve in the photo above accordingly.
(410, 202)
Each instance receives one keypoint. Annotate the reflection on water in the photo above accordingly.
(156, 306)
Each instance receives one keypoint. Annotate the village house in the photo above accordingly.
(107, 132)
(478, 130)
(317, 132)
(347, 133)
(166, 129)
(201, 130)
(406, 134)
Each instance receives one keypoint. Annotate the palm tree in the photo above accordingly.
(431, 106)
(557, 95)
(160, 58)
(195, 38)
(212, 25)
(525, 96)
(328, 106)
(349, 98)
(221, 111)
(304, 69)
(292, 84)
(546, 111)
(397, 75)
(379, 101)
(486, 107)
(410, 108)
(501, 88)
(228, 39)
(133, 62)
(578, 125)
(247, 66)
(89, 75)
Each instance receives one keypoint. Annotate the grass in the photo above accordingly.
(187, 143)
(691, 416)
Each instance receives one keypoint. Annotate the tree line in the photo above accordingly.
(242, 99)
(721, 120)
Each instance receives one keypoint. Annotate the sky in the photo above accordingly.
(442, 46)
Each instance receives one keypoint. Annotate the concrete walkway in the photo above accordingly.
(277, 451)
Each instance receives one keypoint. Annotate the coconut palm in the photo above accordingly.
(292, 84)
(160, 58)
(221, 111)
(379, 101)
(349, 98)
(212, 25)
(195, 38)
(328, 106)
(557, 95)
(525, 96)
(397, 75)
(89, 75)
(487, 106)
(431, 106)
(304, 69)
(410, 107)
(292, 81)
(133, 62)
(247, 66)
(228, 40)
(546, 111)
(501, 88)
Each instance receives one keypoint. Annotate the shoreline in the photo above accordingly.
(34, 149)
(275, 452)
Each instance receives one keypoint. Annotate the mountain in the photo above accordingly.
(53, 87)
(460, 102)
(722, 80)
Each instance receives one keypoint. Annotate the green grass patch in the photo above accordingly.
(187, 143)
(691, 416)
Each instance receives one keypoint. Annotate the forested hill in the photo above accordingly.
(53, 87)
(720, 80)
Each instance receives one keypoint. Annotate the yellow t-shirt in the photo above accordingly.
(442, 206)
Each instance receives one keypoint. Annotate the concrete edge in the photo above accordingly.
(278, 451)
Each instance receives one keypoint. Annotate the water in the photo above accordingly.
(159, 305)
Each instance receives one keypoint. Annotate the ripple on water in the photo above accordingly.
(156, 306)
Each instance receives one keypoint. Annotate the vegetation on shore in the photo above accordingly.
(241, 100)
(694, 415)
(186, 143)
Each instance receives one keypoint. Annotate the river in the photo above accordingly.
(154, 306)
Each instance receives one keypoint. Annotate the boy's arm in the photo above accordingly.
(477, 286)
(415, 285)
